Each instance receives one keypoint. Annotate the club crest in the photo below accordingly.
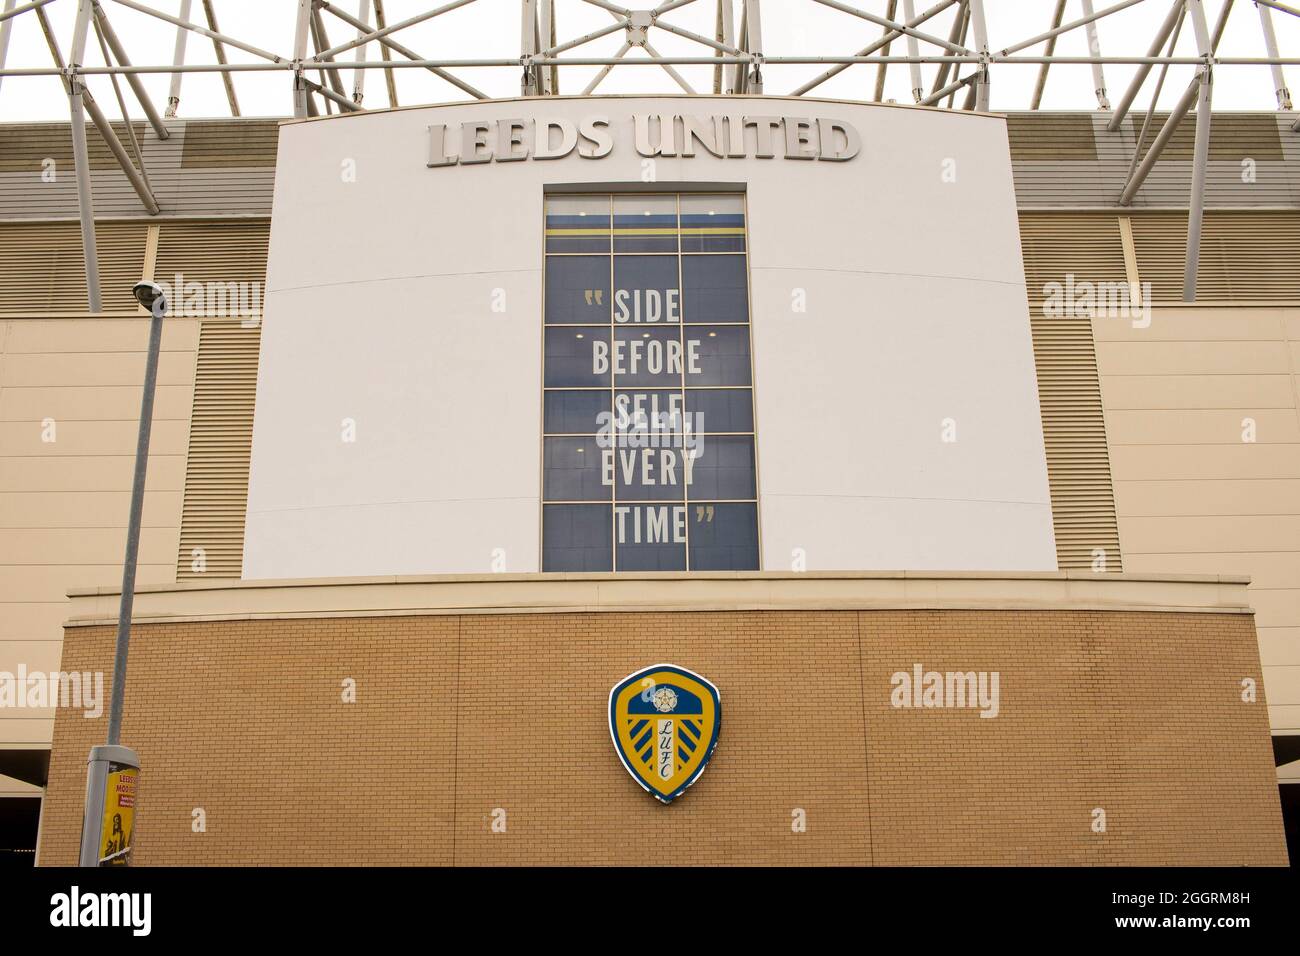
(665, 722)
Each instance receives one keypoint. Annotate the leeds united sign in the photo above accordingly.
(654, 134)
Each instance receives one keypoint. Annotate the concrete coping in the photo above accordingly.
(223, 600)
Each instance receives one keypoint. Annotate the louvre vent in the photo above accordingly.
(1086, 247)
(44, 268)
(1237, 264)
(221, 438)
(214, 252)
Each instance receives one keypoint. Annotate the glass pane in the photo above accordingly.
(713, 223)
(645, 223)
(577, 538)
(650, 537)
(576, 357)
(577, 224)
(650, 471)
(724, 537)
(717, 355)
(647, 356)
(577, 290)
(720, 409)
(574, 413)
(649, 412)
(723, 468)
(646, 290)
(572, 470)
(714, 289)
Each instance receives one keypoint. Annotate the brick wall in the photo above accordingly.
(1137, 713)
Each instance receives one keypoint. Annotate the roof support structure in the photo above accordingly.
(219, 49)
(1144, 70)
(1180, 110)
(302, 105)
(1094, 47)
(1057, 16)
(981, 87)
(891, 11)
(1270, 47)
(954, 36)
(913, 50)
(7, 24)
(359, 76)
(178, 57)
(387, 43)
(81, 156)
(85, 105)
(137, 86)
(882, 45)
(1155, 94)
(530, 84)
(1205, 87)
(389, 80)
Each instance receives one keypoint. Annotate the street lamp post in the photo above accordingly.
(113, 770)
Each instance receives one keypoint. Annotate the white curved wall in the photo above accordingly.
(383, 275)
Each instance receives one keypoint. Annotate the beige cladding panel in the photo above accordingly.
(69, 409)
(1204, 429)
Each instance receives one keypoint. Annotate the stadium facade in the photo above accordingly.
(394, 557)
(953, 456)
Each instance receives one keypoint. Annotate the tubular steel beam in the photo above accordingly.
(389, 80)
(5, 26)
(11, 11)
(387, 43)
(881, 44)
(302, 104)
(1072, 25)
(402, 25)
(227, 80)
(954, 35)
(1270, 47)
(899, 27)
(359, 76)
(1182, 108)
(178, 58)
(1094, 47)
(80, 155)
(137, 86)
(913, 49)
(890, 12)
(1196, 204)
(1057, 16)
(754, 39)
(1140, 76)
(980, 90)
(202, 31)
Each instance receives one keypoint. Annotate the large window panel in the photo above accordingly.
(577, 538)
(570, 361)
(646, 329)
(715, 289)
(577, 290)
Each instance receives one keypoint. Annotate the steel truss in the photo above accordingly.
(963, 60)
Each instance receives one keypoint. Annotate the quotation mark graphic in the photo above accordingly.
(597, 294)
(704, 512)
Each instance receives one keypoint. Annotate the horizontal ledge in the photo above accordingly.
(664, 591)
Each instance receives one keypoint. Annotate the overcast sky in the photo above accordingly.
(491, 28)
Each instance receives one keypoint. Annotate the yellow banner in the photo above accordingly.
(119, 815)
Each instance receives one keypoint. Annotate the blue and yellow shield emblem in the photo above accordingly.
(665, 722)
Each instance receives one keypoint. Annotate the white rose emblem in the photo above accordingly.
(664, 699)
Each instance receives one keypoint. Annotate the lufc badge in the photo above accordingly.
(665, 722)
